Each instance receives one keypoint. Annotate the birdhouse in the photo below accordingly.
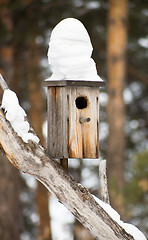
(73, 118)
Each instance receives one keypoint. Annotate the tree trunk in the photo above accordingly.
(6, 48)
(11, 217)
(11, 223)
(36, 115)
(116, 48)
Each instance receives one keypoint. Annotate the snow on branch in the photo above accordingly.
(31, 158)
(15, 114)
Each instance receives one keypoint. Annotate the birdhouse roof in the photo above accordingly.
(73, 83)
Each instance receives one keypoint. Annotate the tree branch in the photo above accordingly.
(31, 158)
(103, 182)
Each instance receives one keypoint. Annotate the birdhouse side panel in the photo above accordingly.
(57, 119)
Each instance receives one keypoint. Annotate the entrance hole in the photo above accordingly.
(81, 102)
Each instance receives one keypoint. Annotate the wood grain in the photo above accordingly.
(73, 132)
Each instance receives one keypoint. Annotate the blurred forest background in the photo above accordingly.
(119, 34)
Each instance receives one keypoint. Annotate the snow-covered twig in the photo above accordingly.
(103, 182)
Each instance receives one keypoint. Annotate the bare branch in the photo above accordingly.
(103, 182)
(32, 159)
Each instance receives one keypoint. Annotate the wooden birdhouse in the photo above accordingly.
(73, 118)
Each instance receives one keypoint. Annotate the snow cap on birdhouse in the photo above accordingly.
(70, 51)
(73, 93)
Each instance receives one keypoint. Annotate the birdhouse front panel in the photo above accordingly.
(73, 119)
(83, 122)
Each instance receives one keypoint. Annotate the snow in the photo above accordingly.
(61, 220)
(143, 42)
(15, 114)
(93, 5)
(70, 51)
(127, 96)
(129, 228)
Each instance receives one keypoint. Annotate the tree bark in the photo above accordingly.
(103, 182)
(116, 63)
(11, 224)
(32, 159)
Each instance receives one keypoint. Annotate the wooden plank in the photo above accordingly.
(51, 116)
(89, 128)
(59, 122)
(74, 83)
(84, 136)
(56, 136)
(75, 131)
(65, 121)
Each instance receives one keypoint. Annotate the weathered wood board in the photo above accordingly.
(73, 121)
